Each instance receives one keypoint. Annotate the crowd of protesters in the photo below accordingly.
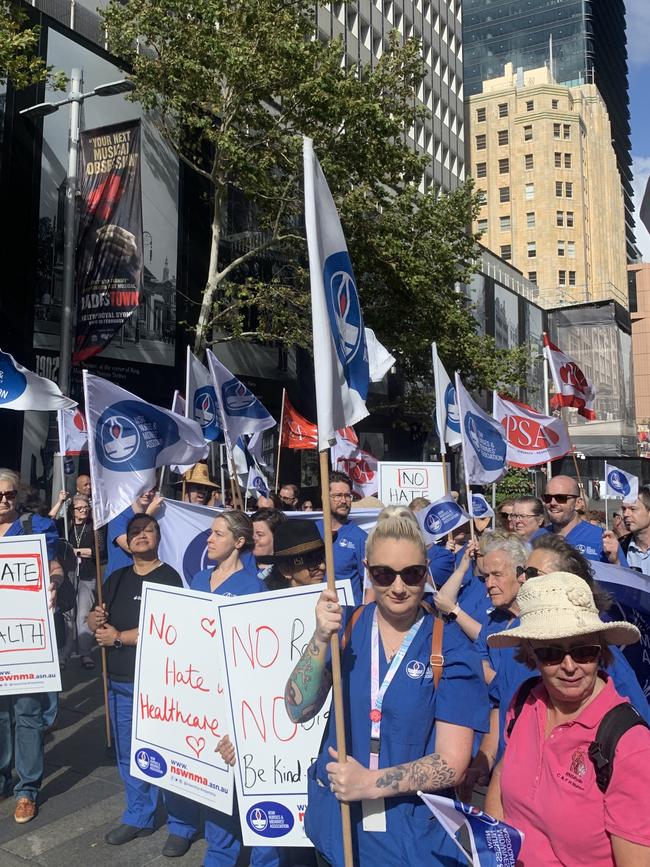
(436, 659)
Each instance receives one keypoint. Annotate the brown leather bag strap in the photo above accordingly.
(349, 626)
(436, 660)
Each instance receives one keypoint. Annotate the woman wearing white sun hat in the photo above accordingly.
(546, 785)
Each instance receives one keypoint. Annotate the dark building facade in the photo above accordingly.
(584, 40)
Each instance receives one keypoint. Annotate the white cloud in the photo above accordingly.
(641, 174)
(638, 31)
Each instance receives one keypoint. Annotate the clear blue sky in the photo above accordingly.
(638, 46)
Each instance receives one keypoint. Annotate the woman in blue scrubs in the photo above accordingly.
(403, 734)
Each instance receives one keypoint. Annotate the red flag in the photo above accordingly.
(571, 385)
(297, 432)
(532, 438)
(361, 466)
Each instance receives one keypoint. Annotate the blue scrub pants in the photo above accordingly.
(27, 756)
(223, 836)
(183, 815)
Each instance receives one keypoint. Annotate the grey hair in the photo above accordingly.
(11, 476)
(240, 525)
(510, 543)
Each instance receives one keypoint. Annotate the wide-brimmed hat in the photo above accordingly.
(560, 605)
(293, 540)
(198, 475)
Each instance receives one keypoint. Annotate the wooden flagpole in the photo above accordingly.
(277, 465)
(337, 690)
(100, 601)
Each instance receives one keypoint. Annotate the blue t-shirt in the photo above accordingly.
(441, 563)
(410, 709)
(240, 583)
(116, 557)
(39, 525)
(349, 554)
(586, 538)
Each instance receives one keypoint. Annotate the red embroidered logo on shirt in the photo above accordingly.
(578, 764)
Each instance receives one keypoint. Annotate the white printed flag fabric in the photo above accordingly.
(572, 388)
(532, 438)
(447, 413)
(484, 443)
(73, 433)
(21, 389)
(479, 507)
(360, 465)
(441, 518)
(621, 484)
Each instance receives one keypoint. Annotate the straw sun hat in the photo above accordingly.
(560, 605)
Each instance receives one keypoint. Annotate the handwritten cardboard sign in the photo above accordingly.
(179, 712)
(261, 639)
(29, 660)
(400, 482)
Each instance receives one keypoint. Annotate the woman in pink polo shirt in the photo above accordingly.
(546, 783)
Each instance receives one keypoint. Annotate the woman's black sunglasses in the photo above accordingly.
(384, 576)
(553, 655)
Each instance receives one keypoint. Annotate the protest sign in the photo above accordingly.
(400, 482)
(261, 638)
(29, 661)
(179, 713)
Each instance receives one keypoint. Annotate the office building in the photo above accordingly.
(641, 353)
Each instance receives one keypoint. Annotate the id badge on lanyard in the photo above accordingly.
(374, 811)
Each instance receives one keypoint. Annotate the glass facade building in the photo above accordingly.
(583, 41)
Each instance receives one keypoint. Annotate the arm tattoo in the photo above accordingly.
(308, 684)
(426, 774)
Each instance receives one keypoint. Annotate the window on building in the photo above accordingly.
(502, 136)
(503, 109)
(571, 249)
(530, 105)
(558, 160)
(559, 218)
(557, 130)
(530, 220)
(482, 196)
(504, 223)
(532, 276)
(531, 248)
(558, 189)
(481, 142)
(560, 248)
(506, 251)
(561, 278)
(528, 133)
(480, 115)
(481, 170)
(555, 103)
(566, 131)
(569, 219)
(568, 190)
(572, 278)
(482, 226)
(528, 161)
(567, 161)
(529, 191)
(504, 166)
(504, 194)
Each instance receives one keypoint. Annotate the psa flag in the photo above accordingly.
(479, 507)
(621, 484)
(493, 843)
(340, 353)
(441, 518)
(484, 442)
(358, 464)
(73, 433)
(127, 439)
(532, 438)
(572, 388)
(201, 399)
(22, 389)
(447, 414)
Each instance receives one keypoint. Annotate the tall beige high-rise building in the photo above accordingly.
(542, 154)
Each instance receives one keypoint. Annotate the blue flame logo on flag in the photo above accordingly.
(130, 435)
(238, 400)
(120, 439)
(618, 482)
(489, 446)
(206, 412)
(346, 321)
(12, 382)
(451, 409)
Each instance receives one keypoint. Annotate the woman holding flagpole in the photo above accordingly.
(415, 695)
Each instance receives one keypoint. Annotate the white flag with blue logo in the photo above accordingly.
(621, 484)
(241, 412)
(483, 439)
(340, 353)
(179, 407)
(493, 843)
(201, 399)
(479, 507)
(447, 414)
(441, 518)
(22, 389)
(127, 439)
(257, 483)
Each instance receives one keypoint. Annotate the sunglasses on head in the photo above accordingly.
(559, 498)
(554, 655)
(384, 576)
(529, 572)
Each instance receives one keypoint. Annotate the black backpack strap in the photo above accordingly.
(613, 726)
(520, 699)
(27, 523)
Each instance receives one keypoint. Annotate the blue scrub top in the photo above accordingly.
(349, 554)
(410, 709)
(240, 583)
(39, 525)
(117, 558)
(441, 563)
(586, 538)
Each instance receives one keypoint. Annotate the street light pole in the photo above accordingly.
(69, 234)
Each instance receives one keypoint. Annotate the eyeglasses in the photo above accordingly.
(384, 576)
(506, 515)
(340, 496)
(554, 655)
(81, 509)
(8, 495)
(559, 498)
(529, 572)
(522, 517)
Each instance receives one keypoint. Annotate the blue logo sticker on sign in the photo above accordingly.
(238, 400)
(12, 382)
(206, 412)
(270, 819)
(618, 482)
(131, 434)
(151, 763)
(451, 409)
(489, 445)
(346, 322)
